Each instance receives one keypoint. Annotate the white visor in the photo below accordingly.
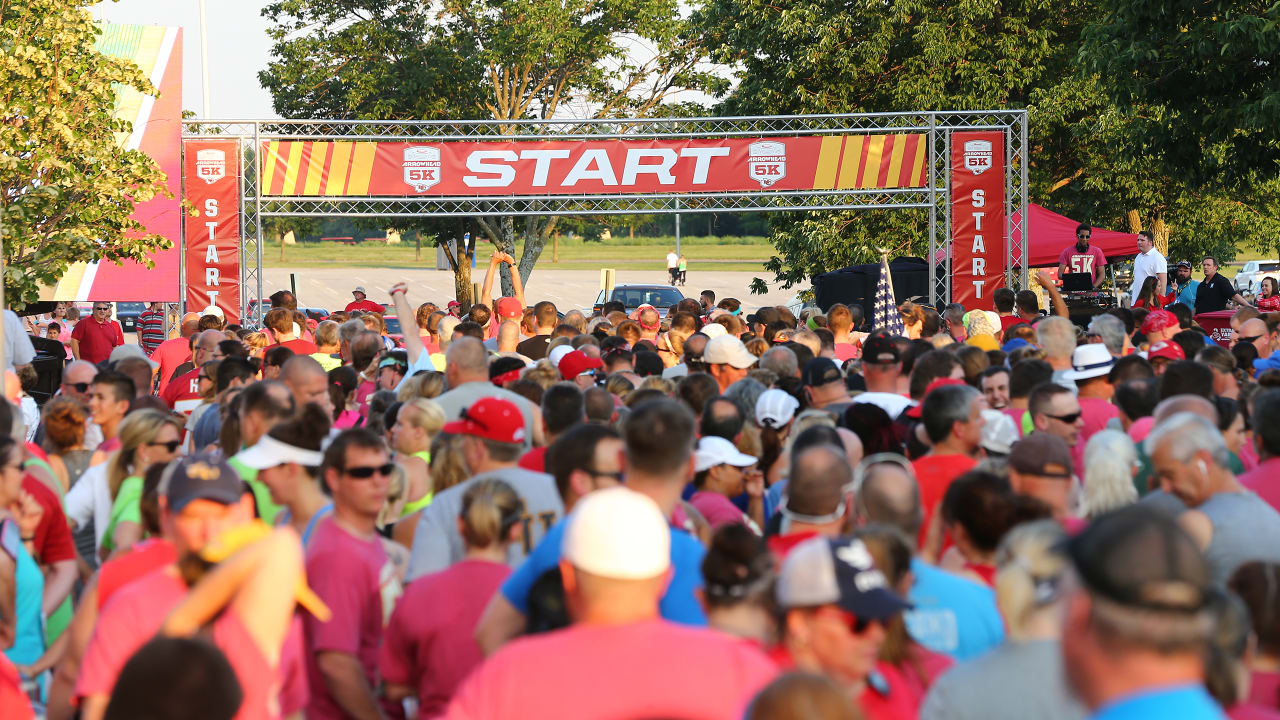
(270, 452)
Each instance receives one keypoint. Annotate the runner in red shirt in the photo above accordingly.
(95, 336)
(173, 353)
(183, 392)
(280, 322)
(952, 413)
(346, 562)
(363, 304)
(836, 606)
(430, 644)
(619, 658)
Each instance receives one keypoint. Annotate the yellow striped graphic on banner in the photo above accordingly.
(917, 170)
(849, 164)
(315, 168)
(338, 168)
(824, 178)
(291, 169)
(894, 178)
(875, 149)
(361, 168)
(271, 153)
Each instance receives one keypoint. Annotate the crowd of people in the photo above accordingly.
(684, 512)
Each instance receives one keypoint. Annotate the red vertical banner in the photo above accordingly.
(977, 217)
(212, 177)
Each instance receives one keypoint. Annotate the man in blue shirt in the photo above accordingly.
(1138, 619)
(949, 614)
(1183, 288)
(657, 461)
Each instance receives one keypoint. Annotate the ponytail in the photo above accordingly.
(490, 508)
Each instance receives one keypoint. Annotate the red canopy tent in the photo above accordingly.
(1051, 232)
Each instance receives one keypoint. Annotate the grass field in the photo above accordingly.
(703, 253)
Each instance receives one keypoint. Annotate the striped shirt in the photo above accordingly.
(151, 330)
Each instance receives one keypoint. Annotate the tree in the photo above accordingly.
(67, 187)
(491, 59)
(1209, 73)
(277, 227)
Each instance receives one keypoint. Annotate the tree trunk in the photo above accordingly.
(555, 248)
(1135, 222)
(281, 246)
(462, 276)
(1160, 232)
(631, 231)
(417, 246)
(536, 231)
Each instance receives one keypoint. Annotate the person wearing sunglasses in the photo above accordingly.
(94, 337)
(147, 437)
(1056, 410)
(835, 605)
(1082, 257)
(345, 561)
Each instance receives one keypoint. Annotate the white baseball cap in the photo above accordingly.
(121, 352)
(775, 408)
(618, 533)
(558, 352)
(728, 350)
(713, 451)
(998, 432)
(713, 330)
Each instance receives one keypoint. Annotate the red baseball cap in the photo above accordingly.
(1167, 350)
(917, 410)
(509, 307)
(490, 418)
(1158, 320)
(577, 362)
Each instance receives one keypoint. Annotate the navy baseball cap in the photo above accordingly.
(200, 477)
(840, 572)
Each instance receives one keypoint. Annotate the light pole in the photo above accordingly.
(204, 62)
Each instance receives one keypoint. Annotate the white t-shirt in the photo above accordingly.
(18, 349)
(1145, 265)
(891, 403)
(672, 260)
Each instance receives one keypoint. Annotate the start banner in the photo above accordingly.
(977, 217)
(212, 179)
(592, 167)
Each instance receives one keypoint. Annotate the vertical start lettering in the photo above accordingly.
(213, 228)
(977, 217)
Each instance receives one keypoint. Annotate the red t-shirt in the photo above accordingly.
(847, 351)
(535, 460)
(135, 615)
(183, 394)
(430, 641)
(650, 669)
(170, 355)
(1264, 688)
(782, 545)
(142, 559)
(934, 474)
(901, 702)
(1008, 321)
(345, 571)
(52, 541)
(14, 704)
(300, 347)
(1091, 261)
(365, 305)
(97, 338)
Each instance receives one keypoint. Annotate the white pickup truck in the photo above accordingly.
(1249, 278)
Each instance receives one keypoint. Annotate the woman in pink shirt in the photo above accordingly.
(722, 473)
(429, 645)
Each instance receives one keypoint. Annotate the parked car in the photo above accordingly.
(127, 313)
(1249, 278)
(661, 297)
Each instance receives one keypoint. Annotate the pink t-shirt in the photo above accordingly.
(650, 669)
(718, 509)
(1096, 413)
(134, 615)
(1264, 689)
(170, 355)
(430, 641)
(345, 571)
(1090, 261)
(1265, 481)
(847, 351)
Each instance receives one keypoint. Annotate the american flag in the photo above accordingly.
(886, 313)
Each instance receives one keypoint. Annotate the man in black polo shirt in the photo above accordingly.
(1215, 290)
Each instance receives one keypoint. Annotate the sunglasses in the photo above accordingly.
(101, 309)
(1084, 236)
(1068, 419)
(78, 387)
(365, 472)
(858, 625)
(170, 445)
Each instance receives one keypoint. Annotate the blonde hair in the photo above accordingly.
(1030, 569)
(394, 504)
(138, 428)
(661, 384)
(257, 342)
(427, 384)
(1057, 335)
(429, 415)
(490, 508)
(447, 465)
(544, 374)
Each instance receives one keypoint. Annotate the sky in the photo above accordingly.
(238, 49)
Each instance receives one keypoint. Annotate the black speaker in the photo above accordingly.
(856, 285)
